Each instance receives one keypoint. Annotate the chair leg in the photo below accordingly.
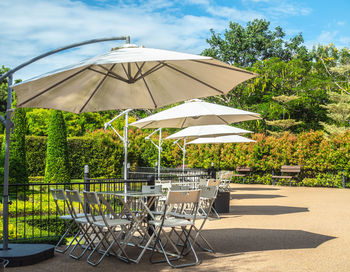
(63, 237)
(89, 242)
(171, 260)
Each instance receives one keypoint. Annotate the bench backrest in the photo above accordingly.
(291, 169)
(244, 169)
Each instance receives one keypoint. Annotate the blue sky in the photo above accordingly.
(29, 28)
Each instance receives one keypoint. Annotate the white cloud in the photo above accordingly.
(46, 25)
(234, 14)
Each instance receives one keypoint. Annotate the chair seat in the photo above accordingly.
(69, 217)
(171, 222)
(186, 216)
(84, 220)
(112, 222)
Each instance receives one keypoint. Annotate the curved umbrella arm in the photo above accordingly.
(12, 71)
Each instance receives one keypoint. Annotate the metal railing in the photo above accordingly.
(32, 210)
(177, 174)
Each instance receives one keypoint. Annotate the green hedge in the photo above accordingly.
(319, 155)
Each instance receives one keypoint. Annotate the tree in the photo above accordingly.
(18, 173)
(244, 46)
(57, 164)
(339, 112)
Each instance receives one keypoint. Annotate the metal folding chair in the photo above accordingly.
(181, 227)
(207, 198)
(85, 242)
(111, 229)
(59, 197)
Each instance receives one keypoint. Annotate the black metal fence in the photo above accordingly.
(32, 211)
(187, 174)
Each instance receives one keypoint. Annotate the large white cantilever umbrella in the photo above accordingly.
(130, 77)
(203, 131)
(194, 113)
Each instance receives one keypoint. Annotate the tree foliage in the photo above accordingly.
(17, 162)
(244, 46)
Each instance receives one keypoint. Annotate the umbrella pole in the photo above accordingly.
(159, 151)
(183, 157)
(6, 167)
(125, 136)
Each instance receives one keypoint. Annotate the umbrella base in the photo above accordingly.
(26, 254)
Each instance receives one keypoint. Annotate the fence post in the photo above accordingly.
(344, 178)
(86, 185)
(127, 171)
(212, 171)
(273, 180)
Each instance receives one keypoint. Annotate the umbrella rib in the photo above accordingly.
(225, 67)
(223, 119)
(183, 122)
(152, 70)
(192, 77)
(139, 69)
(96, 89)
(114, 74)
(126, 73)
(53, 86)
(148, 89)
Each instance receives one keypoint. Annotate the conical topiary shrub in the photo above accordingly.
(57, 165)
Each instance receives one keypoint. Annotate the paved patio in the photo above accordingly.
(268, 229)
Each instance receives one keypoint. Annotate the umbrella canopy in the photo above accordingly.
(195, 113)
(222, 140)
(130, 77)
(207, 131)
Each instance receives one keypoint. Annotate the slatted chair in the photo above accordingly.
(207, 198)
(181, 227)
(225, 181)
(111, 229)
(61, 202)
(85, 242)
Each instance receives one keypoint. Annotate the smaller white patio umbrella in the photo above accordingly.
(222, 140)
(203, 131)
(194, 113)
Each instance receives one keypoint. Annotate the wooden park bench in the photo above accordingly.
(287, 172)
(243, 171)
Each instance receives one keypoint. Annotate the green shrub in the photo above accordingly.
(17, 162)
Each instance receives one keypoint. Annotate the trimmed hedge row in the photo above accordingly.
(103, 152)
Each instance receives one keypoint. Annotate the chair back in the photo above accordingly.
(99, 206)
(156, 189)
(209, 192)
(75, 203)
(179, 187)
(213, 182)
(203, 183)
(58, 195)
(180, 197)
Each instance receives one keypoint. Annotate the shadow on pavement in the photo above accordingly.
(253, 189)
(251, 196)
(265, 210)
(239, 240)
